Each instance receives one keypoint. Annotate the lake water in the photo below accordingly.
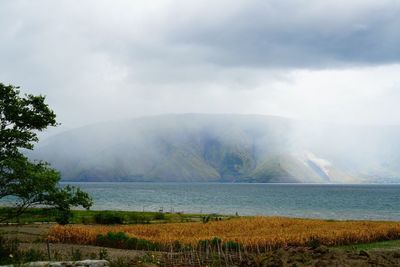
(371, 202)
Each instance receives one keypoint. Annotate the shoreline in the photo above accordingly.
(38, 215)
(222, 183)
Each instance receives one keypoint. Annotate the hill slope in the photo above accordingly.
(199, 148)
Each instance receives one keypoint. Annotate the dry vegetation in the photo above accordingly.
(251, 233)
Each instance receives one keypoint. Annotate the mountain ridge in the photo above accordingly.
(204, 148)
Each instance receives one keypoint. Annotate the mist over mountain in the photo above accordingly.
(228, 148)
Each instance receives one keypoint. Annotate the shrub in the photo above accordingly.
(76, 254)
(159, 216)
(121, 240)
(313, 242)
(33, 255)
(120, 262)
(231, 245)
(108, 218)
(11, 254)
(139, 218)
(9, 250)
(206, 219)
(203, 244)
(177, 246)
(143, 244)
(216, 242)
(63, 217)
(103, 254)
(112, 239)
(150, 258)
(132, 243)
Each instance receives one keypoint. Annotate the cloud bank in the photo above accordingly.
(105, 60)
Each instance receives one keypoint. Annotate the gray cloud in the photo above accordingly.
(103, 60)
(302, 34)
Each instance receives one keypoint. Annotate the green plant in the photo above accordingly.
(138, 218)
(206, 219)
(122, 240)
(76, 254)
(216, 242)
(108, 218)
(57, 255)
(10, 253)
(203, 244)
(63, 217)
(150, 258)
(159, 216)
(103, 254)
(231, 245)
(177, 246)
(9, 250)
(132, 243)
(313, 242)
(120, 262)
(33, 255)
(29, 182)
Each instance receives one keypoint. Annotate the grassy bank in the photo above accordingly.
(385, 245)
(43, 215)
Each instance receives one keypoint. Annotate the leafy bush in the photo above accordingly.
(108, 218)
(203, 244)
(120, 262)
(11, 254)
(177, 246)
(206, 219)
(112, 239)
(216, 242)
(313, 242)
(9, 250)
(159, 216)
(103, 254)
(139, 218)
(76, 254)
(231, 245)
(121, 240)
(33, 255)
(63, 217)
(150, 259)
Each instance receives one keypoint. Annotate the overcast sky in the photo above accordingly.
(330, 60)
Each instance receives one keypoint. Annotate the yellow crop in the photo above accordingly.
(249, 232)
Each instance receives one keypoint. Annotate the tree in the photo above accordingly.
(25, 182)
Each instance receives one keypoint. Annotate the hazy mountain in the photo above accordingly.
(234, 148)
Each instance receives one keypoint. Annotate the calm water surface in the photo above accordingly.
(372, 202)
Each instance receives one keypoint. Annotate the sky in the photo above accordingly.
(331, 60)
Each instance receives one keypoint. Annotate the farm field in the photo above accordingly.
(250, 233)
(66, 245)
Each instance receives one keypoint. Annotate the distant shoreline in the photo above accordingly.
(319, 201)
(218, 182)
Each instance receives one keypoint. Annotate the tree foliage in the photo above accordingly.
(22, 181)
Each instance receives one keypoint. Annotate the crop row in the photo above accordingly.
(253, 232)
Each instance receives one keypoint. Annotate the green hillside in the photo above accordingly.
(210, 148)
